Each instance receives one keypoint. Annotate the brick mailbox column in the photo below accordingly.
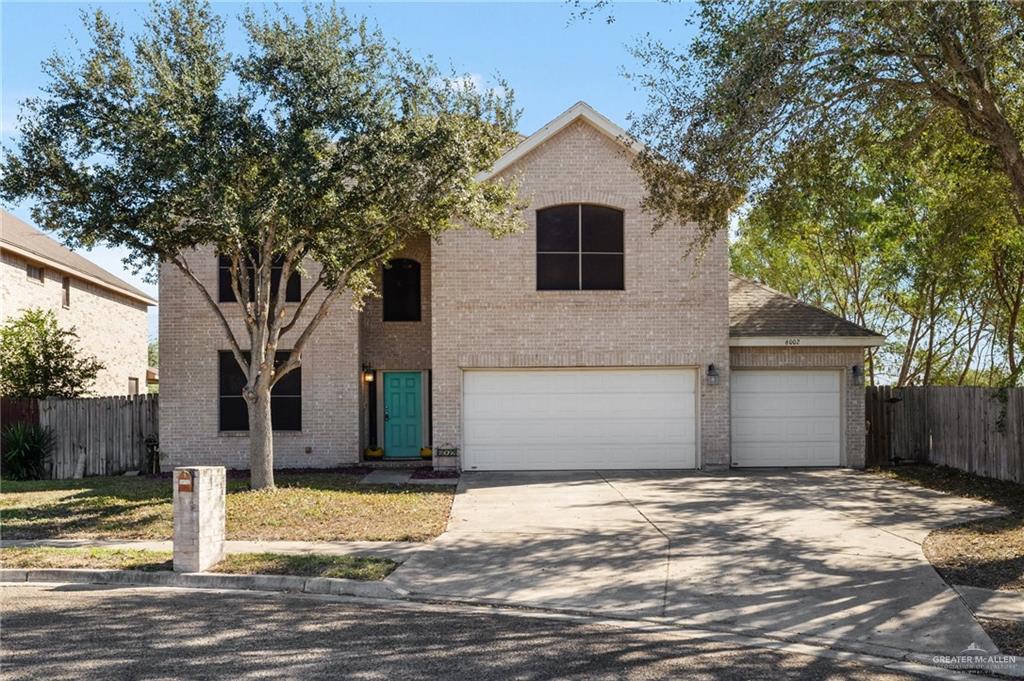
(199, 517)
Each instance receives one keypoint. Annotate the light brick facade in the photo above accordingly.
(190, 340)
(481, 309)
(674, 311)
(110, 326)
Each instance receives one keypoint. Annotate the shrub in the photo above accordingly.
(40, 359)
(25, 451)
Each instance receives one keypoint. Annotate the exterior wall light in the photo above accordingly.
(857, 374)
(712, 374)
(368, 373)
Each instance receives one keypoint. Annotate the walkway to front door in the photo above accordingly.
(403, 414)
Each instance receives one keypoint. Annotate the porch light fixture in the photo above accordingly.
(712, 374)
(368, 373)
(857, 374)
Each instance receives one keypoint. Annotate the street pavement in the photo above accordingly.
(88, 632)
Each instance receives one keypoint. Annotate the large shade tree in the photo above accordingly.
(321, 143)
(763, 76)
(911, 241)
(880, 141)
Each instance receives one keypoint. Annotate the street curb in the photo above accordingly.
(209, 580)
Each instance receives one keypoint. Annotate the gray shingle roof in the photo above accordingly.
(25, 237)
(757, 310)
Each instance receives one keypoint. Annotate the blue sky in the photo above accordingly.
(549, 58)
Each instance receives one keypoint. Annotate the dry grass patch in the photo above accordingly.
(987, 553)
(312, 507)
(301, 565)
(45, 557)
(306, 565)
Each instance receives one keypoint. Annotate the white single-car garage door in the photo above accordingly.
(785, 418)
(572, 419)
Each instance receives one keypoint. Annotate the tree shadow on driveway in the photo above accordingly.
(827, 555)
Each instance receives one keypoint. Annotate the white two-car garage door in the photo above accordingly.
(785, 418)
(571, 419)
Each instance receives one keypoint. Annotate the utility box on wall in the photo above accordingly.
(199, 517)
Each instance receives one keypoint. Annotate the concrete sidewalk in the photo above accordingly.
(395, 550)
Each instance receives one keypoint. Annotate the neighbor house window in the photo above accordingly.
(34, 272)
(285, 396)
(401, 290)
(579, 247)
(133, 386)
(65, 283)
(226, 294)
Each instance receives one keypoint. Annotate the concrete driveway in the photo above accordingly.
(830, 556)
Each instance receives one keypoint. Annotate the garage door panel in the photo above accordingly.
(568, 419)
(792, 430)
(521, 456)
(785, 417)
(779, 454)
(569, 406)
(622, 433)
(785, 381)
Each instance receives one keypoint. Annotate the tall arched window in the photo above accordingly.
(579, 247)
(401, 290)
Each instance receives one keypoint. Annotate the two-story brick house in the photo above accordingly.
(108, 313)
(585, 342)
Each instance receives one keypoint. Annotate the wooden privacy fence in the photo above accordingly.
(18, 410)
(100, 435)
(978, 430)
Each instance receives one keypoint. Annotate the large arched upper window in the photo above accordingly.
(579, 247)
(401, 290)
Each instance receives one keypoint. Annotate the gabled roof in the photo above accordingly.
(759, 312)
(579, 110)
(17, 236)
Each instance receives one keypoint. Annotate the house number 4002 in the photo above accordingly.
(792, 341)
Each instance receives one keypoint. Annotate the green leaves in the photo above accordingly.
(40, 359)
(767, 76)
(322, 147)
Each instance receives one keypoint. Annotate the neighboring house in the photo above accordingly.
(109, 314)
(585, 342)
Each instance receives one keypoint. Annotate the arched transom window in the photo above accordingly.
(579, 247)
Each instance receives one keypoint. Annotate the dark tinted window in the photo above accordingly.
(602, 230)
(285, 397)
(580, 247)
(401, 291)
(558, 229)
(225, 294)
(602, 271)
(558, 271)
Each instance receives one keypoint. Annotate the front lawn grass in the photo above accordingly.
(987, 553)
(301, 565)
(305, 507)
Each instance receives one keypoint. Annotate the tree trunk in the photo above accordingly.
(261, 439)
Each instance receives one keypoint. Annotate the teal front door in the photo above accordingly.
(403, 413)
